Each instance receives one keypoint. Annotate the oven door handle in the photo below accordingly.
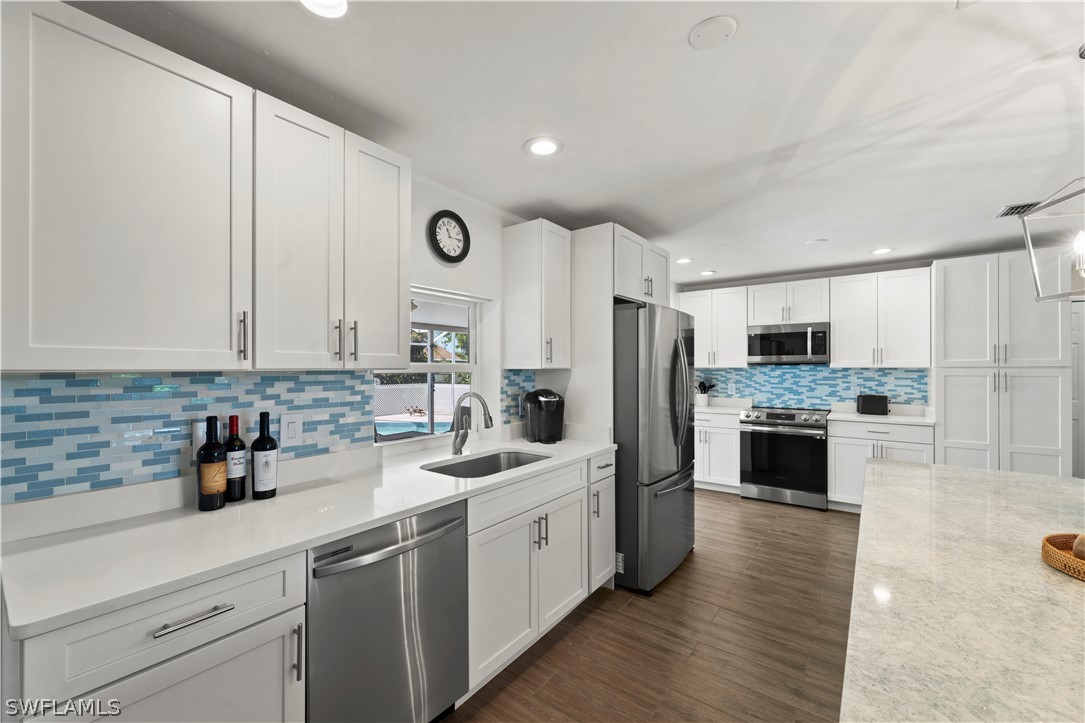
(794, 431)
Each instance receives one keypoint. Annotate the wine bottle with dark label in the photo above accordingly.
(265, 461)
(211, 469)
(236, 464)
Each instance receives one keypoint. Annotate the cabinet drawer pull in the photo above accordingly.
(604, 466)
(244, 323)
(301, 651)
(875, 431)
(595, 509)
(217, 610)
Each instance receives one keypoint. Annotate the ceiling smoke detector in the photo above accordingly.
(712, 32)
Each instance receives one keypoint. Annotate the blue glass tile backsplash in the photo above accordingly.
(514, 382)
(66, 432)
(816, 387)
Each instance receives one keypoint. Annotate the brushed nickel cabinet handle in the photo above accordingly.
(244, 335)
(994, 381)
(994, 352)
(605, 466)
(595, 511)
(1005, 382)
(213, 612)
(783, 313)
(354, 329)
(301, 651)
(1005, 353)
(873, 355)
(537, 525)
(339, 335)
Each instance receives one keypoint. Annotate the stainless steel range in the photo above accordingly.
(785, 455)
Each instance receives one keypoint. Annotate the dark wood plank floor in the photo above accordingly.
(752, 626)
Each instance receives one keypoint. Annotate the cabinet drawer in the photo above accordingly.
(72, 660)
(715, 419)
(600, 467)
(493, 507)
(919, 434)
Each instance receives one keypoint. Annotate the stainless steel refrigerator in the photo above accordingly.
(653, 428)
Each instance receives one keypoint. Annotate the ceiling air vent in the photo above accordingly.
(1018, 209)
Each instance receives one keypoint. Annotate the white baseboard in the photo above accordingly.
(729, 489)
(844, 507)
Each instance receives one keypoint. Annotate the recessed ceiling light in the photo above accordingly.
(543, 146)
(708, 272)
(682, 261)
(879, 252)
(326, 8)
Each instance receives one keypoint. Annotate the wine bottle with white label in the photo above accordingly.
(265, 461)
(211, 469)
(236, 464)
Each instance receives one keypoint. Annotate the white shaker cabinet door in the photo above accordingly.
(377, 232)
(247, 676)
(729, 327)
(966, 312)
(1036, 424)
(906, 452)
(807, 301)
(630, 279)
(722, 449)
(299, 239)
(601, 544)
(847, 468)
(563, 557)
(657, 271)
(767, 304)
(698, 304)
(967, 417)
(1033, 334)
(904, 318)
(501, 593)
(556, 276)
(127, 201)
(854, 321)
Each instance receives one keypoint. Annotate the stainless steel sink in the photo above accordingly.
(484, 465)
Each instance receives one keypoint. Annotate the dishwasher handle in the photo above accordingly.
(368, 558)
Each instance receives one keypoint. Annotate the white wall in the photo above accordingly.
(478, 275)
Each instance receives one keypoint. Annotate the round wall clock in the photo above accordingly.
(449, 237)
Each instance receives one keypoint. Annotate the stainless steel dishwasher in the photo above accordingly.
(388, 621)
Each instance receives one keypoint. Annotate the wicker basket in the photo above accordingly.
(1057, 553)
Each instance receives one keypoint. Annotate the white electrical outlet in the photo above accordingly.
(199, 435)
(290, 429)
(731, 388)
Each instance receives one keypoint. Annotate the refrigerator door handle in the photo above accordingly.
(682, 376)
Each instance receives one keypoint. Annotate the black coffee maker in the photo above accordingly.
(545, 411)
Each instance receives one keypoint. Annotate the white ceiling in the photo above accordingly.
(900, 124)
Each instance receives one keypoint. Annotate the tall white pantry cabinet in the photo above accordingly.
(1001, 387)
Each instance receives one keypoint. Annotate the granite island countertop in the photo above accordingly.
(954, 615)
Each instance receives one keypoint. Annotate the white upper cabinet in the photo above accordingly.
(904, 318)
(853, 334)
(719, 326)
(377, 232)
(127, 201)
(792, 302)
(986, 315)
(298, 285)
(641, 269)
(537, 307)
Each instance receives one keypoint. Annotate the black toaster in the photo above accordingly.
(872, 404)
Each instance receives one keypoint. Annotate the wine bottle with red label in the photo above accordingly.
(211, 469)
(236, 464)
(265, 461)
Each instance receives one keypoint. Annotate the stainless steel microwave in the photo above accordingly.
(788, 344)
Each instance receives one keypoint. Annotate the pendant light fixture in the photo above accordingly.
(1065, 208)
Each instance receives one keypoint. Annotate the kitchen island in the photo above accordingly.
(954, 615)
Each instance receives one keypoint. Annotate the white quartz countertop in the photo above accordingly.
(954, 615)
(60, 579)
(926, 420)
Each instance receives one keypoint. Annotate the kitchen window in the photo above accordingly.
(419, 401)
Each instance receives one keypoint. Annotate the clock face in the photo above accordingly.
(449, 237)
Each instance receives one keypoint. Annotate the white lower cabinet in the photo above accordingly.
(525, 572)
(851, 444)
(716, 449)
(257, 674)
(601, 528)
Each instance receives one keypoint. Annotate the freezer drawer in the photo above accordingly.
(666, 510)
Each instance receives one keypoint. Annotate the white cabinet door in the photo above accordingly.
(722, 451)
(904, 318)
(847, 468)
(729, 322)
(501, 593)
(1035, 423)
(700, 454)
(966, 416)
(966, 312)
(657, 270)
(630, 280)
(563, 557)
(854, 321)
(298, 284)
(1033, 334)
(601, 544)
(807, 301)
(127, 201)
(555, 296)
(377, 231)
(906, 452)
(247, 676)
(767, 304)
(699, 305)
